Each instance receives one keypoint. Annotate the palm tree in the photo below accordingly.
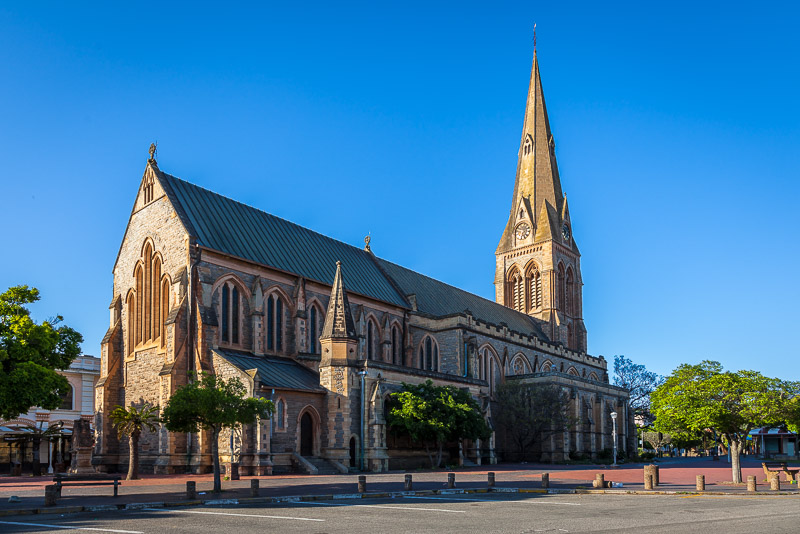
(130, 422)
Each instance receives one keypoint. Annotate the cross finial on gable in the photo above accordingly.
(152, 151)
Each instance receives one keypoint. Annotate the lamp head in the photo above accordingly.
(613, 415)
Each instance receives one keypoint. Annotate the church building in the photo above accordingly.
(328, 331)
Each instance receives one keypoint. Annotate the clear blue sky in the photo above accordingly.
(677, 128)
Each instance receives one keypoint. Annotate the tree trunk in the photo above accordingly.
(439, 454)
(133, 456)
(430, 455)
(37, 466)
(736, 446)
(215, 458)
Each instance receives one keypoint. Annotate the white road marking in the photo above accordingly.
(236, 515)
(70, 528)
(451, 499)
(385, 506)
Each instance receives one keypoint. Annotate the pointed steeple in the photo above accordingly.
(537, 177)
(338, 320)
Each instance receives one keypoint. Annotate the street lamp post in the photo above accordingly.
(614, 434)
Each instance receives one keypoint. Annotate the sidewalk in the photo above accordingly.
(675, 476)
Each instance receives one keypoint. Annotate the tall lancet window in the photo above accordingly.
(515, 290)
(534, 286)
(275, 323)
(570, 293)
(561, 289)
(527, 146)
(229, 306)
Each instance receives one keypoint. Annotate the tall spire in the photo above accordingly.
(338, 320)
(537, 177)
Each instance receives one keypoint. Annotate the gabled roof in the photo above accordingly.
(227, 226)
(438, 299)
(221, 224)
(273, 371)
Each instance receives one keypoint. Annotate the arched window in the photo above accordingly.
(396, 346)
(570, 337)
(275, 323)
(593, 376)
(146, 315)
(489, 368)
(147, 189)
(572, 371)
(547, 366)
(561, 288)
(314, 327)
(527, 146)
(518, 366)
(164, 311)
(515, 290)
(429, 354)
(280, 414)
(570, 293)
(230, 313)
(533, 283)
(370, 341)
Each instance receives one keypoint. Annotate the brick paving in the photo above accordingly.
(675, 475)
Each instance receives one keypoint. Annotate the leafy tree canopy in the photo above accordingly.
(531, 413)
(434, 415)
(213, 404)
(704, 396)
(639, 382)
(30, 353)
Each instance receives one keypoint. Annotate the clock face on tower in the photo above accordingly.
(565, 232)
(523, 231)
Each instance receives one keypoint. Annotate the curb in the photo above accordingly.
(377, 495)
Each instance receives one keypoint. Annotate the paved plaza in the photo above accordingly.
(455, 513)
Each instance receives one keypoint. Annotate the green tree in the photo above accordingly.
(213, 404)
(30, 353)
(698, 397)
(433, 415)
(131, 422)
(531, 413)
(640, 383)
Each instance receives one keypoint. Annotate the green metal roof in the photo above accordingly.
(227, 226)
(222, 224)
(274, 371)
(439, 299)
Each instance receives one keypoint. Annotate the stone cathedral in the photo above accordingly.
(328, 331)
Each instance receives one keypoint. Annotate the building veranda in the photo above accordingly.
(328, 330)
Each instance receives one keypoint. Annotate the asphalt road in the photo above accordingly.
(458, 513)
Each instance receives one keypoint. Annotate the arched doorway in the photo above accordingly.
(353, 452)
(306, 435)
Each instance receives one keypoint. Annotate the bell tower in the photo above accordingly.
(537, 260)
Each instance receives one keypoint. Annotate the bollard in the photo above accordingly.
(652, 470)
(648, 481)
(491, 479)
(545, 480)
(752, 483)
(254, 487)
(451, 480)
(774, 482)
(191, 490)
(700, 483)
(362, 484)
(599, 480)
(50, 495)
(408, 483)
